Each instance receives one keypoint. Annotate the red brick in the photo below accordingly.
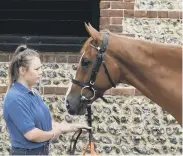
(140, 14)
(108, 92)
(162, 14)
(129, 35)
(104, 21)
(173, 14)
(10, 56)
(4, 58)
(61, 58)
(111, 13)
(115, 28)
(49, 58)
(152, 14)
(60, 90)
(104, 5)
(129, 13)
(49, 90)
(73, 58)
(122, 5)
(111, 0)
(103, 27)
(3, 89)
(137, 92)
(112, 28)
(180, 15)
(117, 20)
(41, 90)
(129, 0)
(41, 57)
(123, 91)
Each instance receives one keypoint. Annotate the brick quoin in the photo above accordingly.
(111, 13)
(116, 28)
(116, 20)
(105, 5)
(129, 13)
(122, 5)
(105, 20)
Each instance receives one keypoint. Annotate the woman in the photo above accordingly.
(27, 117)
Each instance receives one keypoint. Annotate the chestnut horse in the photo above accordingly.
(107, 59)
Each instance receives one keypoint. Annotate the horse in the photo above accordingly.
(107, 59)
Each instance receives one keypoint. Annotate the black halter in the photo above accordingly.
(91, 86)
(99, 61)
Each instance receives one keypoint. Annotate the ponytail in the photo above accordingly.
(20, 49)
(21, 58)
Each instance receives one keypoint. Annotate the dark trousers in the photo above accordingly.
(43, 150)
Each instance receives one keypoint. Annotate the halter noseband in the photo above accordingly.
(91, 84)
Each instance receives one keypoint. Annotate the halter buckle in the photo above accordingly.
(98, 48)
(92, 83)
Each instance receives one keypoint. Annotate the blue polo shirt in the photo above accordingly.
(23, 111)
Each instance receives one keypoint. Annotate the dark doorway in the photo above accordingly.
(46, 25)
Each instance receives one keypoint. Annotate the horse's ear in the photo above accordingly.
(93, 32)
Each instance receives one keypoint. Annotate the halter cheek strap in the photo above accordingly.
(104, 43)
(99, 61)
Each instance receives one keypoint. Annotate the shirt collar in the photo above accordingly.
(24, 89)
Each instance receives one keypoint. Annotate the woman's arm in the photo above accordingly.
(37, 135)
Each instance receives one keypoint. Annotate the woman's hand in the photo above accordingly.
(66, 127)
(61, 128)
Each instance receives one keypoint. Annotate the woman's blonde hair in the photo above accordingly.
(21, 58)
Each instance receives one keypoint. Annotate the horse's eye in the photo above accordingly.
(85, 63)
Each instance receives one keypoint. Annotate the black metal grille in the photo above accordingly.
(46, 25)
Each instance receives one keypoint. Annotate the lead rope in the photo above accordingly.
(73, 142)
(91, 143)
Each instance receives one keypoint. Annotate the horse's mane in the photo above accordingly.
(88, 41)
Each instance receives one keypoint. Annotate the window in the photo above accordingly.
(46, 25)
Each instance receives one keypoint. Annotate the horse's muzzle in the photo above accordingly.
(70, 111)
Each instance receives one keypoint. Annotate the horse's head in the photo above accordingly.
(96, 72)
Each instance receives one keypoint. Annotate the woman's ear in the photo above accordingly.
(22, 70)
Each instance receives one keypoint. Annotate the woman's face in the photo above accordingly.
(33, 73)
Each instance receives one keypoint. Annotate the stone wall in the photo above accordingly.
(130, 124)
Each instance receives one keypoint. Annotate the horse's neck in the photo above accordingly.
(154, 69)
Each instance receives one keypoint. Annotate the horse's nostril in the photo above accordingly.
(67, 104)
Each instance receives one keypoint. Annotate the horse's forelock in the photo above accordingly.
(86, 44)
